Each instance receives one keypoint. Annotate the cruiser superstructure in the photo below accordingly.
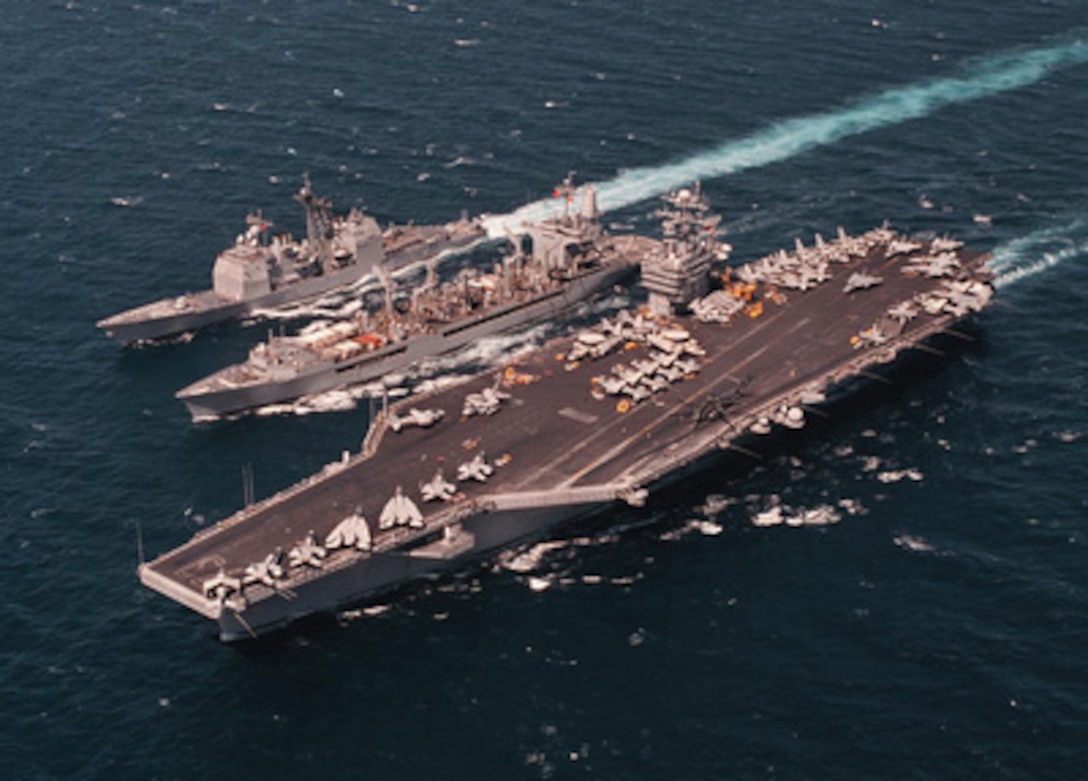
(260, 271)
(715, 361)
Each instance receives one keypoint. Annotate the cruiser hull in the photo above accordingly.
(130, 328)
(162, 319)
(160, 328)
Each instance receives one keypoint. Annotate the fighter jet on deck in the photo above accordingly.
(352, 532)
(424, 418)
(477, 469)
(861, 281)
(438, 489)
(308, 552)
(400, 511)
(486, 402)
(267, 571)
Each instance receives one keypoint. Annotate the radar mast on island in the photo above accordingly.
(679, 271)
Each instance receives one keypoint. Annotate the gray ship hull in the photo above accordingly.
(205, 404)
(164, 319)
(374, 574)
(486, 525)
(132, 327)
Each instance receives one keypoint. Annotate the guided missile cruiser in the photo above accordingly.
(260, 270)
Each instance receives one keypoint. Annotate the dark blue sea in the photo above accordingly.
(938, 631)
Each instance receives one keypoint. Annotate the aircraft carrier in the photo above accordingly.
(571, 260)
(716, 359)
(259, 271)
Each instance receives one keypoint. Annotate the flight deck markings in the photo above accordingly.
(577, 415)
(658, 421)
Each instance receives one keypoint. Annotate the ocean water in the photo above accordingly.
(936, 630)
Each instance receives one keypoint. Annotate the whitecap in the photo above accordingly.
(852, 506)
(530, 560)
(715, 504)
(770, 517)
(708, 528)
(897, 475)
(870, 463)
(539, 584)
(780, 515)
(913, 543)
(821, 515)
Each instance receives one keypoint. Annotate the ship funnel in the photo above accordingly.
(590, 212)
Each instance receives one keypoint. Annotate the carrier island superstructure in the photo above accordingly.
(261, 271)
(717, 359)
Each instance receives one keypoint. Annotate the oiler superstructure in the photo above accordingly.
(261, 270)
(571, 259)
(603, 417)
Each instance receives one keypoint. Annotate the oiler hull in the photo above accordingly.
(207, 399)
